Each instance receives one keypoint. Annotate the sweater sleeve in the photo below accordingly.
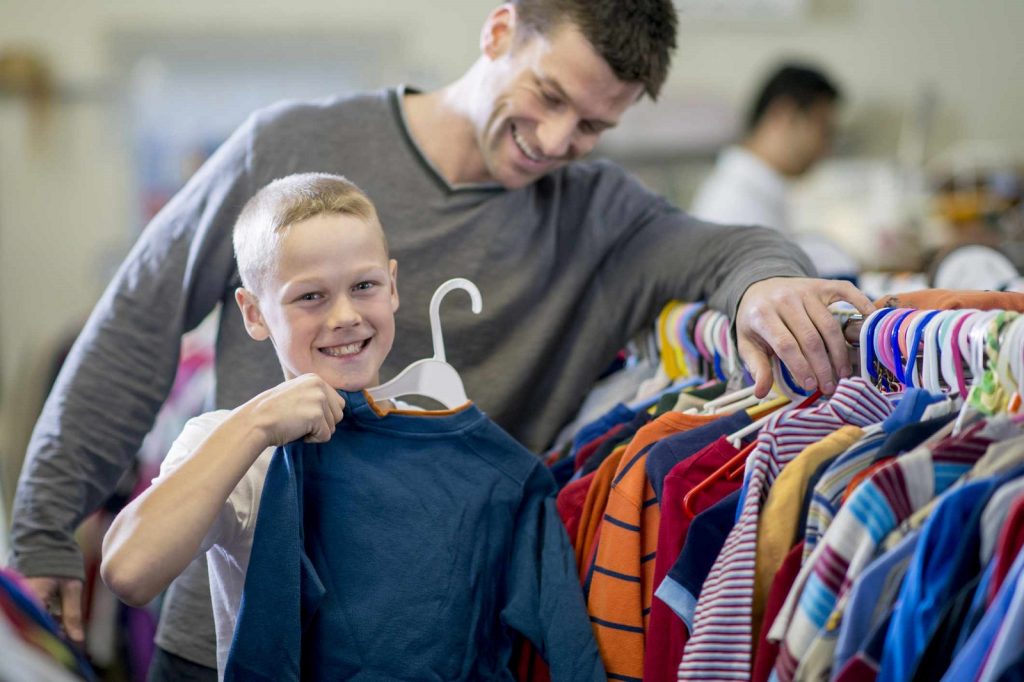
(122, 365)
(543, 600)
(664, 253)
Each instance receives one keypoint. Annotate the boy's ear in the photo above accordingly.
(498, 31)
(251, 315)
(393, 267)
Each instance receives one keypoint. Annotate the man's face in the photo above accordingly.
(329, 304)
(545, 102)
(811, 133)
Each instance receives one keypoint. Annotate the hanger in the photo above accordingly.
(732, 470)
(433, 377)
(735, 467)
(973, 330)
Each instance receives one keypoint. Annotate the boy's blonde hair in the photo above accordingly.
(285, 202)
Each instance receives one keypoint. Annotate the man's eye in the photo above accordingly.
(364, 286)
(311, 296)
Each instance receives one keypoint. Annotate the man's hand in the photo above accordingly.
(62, 598)
(303, 407)
(789, 317)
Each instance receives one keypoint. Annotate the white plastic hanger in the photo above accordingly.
(433, 377)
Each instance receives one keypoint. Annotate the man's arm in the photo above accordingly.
(754, 275)
(155, 537)
(121, 368)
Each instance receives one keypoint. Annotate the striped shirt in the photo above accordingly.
(622, 577)
(720, 645)
(813, 611)
(828, 493)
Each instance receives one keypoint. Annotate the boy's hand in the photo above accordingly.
(303, 407)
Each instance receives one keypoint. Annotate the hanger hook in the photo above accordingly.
(435, 309)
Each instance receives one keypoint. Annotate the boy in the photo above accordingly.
(317, 281)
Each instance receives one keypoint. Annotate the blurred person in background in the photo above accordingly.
(789, 129)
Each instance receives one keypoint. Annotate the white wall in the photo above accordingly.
(66, 203)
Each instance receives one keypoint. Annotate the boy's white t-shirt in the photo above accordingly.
(229, 541)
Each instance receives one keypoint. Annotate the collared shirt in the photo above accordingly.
(782, 508)
(876, 507)
(720, 645)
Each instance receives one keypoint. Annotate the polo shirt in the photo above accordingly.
(946, 558)
(875, 508)
(871, 598)
(941, 647)
(674, 449)
(970, 660)
(781, 513)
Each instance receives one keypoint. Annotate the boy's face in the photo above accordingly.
(546, 102)
(328, 305)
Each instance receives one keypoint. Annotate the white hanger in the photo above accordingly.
(433, 377)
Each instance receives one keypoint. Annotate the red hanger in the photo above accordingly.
(731, 470)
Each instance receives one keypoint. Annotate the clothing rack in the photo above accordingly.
(931, 420)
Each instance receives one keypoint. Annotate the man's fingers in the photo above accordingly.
(758, 364)
(71, 609)
(832, 334)
(841, 290)
(809, 363)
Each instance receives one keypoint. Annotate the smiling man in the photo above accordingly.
(480, 179)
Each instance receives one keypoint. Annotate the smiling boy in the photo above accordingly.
(317, 282)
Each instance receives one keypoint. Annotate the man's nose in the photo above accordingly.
(555, 135)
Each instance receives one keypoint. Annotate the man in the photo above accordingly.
(789, 129)
(479, 179)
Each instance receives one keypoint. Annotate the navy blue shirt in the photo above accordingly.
(674, 449)
(409, 547)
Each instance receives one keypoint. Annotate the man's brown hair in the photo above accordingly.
(635, 37)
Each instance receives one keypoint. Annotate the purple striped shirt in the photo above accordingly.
(720, 645)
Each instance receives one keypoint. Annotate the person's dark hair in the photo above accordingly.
(802, 84)
(635, 37)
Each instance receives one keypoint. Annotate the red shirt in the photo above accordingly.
(764, 657)
(667, 634)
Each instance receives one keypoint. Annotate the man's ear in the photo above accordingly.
(393, 266)
(249, 305)
(498, 32)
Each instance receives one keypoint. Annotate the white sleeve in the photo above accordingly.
(195, 432)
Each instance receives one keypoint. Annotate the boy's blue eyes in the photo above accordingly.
(316, 295)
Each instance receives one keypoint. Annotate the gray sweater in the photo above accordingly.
(569, 267)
